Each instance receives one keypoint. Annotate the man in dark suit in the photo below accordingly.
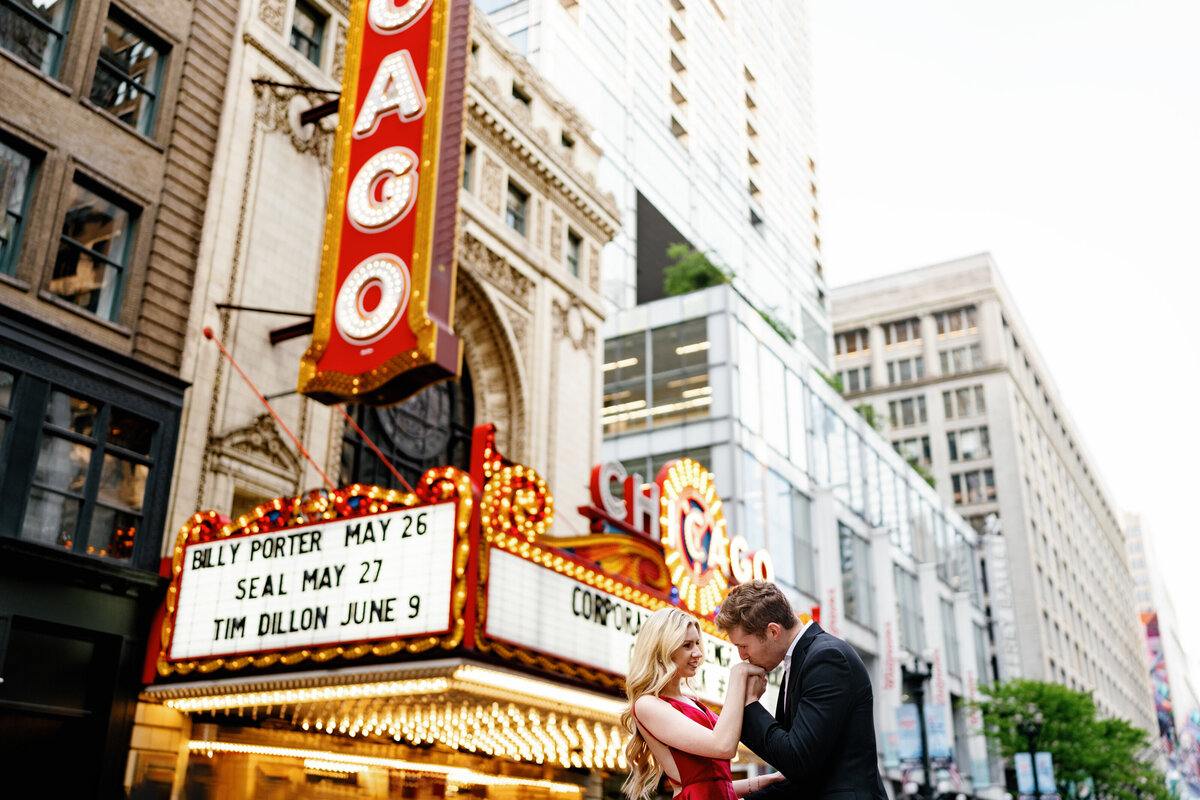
(822, 737)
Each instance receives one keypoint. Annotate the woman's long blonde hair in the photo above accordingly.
(650, 670)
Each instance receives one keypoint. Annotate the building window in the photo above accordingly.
(431, 428)
(574, 245)
(33, 31)
(904, 331)
(961, 359)
(518, 201)
(906, 370)
(308, 30)
(969, 443)
(625, 398)
(671, 388)
(128, 74)
(950, 634)
(978, 486)
(89, 483)
(914, 449)
(93, 251)
(907, 411)
(849, 343)
(468, 165)
(964, 402)
(856, 380)
(16, 180)
(908, 600)
(956, 322)
(856, 569)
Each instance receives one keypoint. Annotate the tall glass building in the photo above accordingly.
(852, 530)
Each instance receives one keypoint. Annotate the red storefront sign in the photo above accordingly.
(385, 302)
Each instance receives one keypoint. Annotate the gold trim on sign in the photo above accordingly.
(335, 211)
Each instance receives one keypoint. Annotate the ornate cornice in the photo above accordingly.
(521, 139)
(494, 268)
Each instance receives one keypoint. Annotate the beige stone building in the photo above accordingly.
(945, 359)
(527, 306)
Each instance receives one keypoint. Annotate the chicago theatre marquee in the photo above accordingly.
(451, 639)
(435, 642)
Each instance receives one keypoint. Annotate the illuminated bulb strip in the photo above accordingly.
(538, 689)
(316, 695)
(695, 347)
(346, 762)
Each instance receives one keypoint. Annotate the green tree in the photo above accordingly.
(691, 270)
(867, 412)
(1110, 751)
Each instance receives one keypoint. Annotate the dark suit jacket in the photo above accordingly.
(823, 741)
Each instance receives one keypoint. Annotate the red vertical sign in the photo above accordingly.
(385, 303)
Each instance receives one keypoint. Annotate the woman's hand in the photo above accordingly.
(774, 777)
(746, 670)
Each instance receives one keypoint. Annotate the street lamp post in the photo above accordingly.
(1030, 727)
(914, 679)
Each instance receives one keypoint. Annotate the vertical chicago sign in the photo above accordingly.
(384, 314)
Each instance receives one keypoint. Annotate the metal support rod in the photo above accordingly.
(298, 87)
(261, 310)
(208, 334)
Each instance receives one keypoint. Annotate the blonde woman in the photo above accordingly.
(673, 734)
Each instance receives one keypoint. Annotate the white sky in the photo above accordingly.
(1063, 136)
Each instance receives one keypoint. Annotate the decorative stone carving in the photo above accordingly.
(492, 267)
(569, 324)
(271, 12)
(593, 268)
(260, 445)
(278, 109)
(489, 190)
(539, 216)
(520, 328)
(339, 53)
(556, 236)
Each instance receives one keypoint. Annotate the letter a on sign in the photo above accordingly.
(383, 328)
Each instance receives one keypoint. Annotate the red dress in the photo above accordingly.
(702, 778)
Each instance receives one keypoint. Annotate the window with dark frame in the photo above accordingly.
(34, 30)
(308, 30)
(574, 245)
(128, 73)
(518, 202)
(93, 250)
(468, 165)
(16, 180)
(92, 467)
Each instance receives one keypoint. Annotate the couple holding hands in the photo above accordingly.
(821, 738)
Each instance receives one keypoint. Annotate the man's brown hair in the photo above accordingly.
(754, 605)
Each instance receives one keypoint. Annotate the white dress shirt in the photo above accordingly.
(787, 660)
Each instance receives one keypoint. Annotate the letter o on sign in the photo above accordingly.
(372, 299)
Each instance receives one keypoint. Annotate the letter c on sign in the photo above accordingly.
(372, 299)
(388, 16)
